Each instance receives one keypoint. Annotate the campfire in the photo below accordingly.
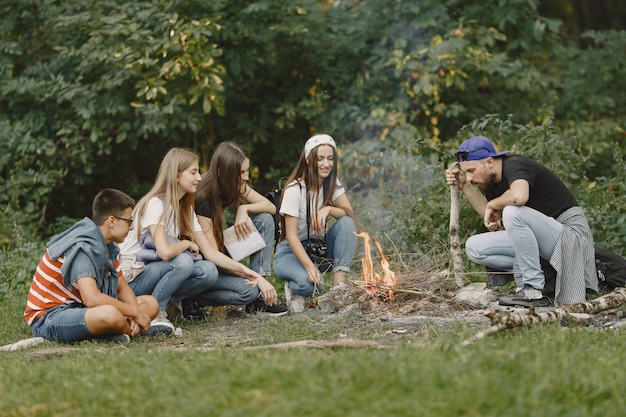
(377, 285)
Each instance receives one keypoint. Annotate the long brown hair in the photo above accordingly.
(220, 186)
(165, 187)
(306, 172)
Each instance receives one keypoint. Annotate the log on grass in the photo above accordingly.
(502, 319)
(455, 241)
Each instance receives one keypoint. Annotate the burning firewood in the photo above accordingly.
(455, 242)
(373, 281)
(502, 320)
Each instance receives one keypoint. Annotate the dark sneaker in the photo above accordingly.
(526, 297)
(191, 310)
(121, 339)
(259, 307)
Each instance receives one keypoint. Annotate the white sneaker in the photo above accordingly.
(295, 302)
(160, 324)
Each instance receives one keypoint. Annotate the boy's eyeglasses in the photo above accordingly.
(463, 155)
(129, 221)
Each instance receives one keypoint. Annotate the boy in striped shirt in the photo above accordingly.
(78, 291)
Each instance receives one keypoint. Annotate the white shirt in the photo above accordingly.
(294, 204)
(152, 214)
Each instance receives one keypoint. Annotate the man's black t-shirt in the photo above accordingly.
(547, 193)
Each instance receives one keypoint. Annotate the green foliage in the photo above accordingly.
(401, 194)
(93, 95)
(86, 88)
(17, 266)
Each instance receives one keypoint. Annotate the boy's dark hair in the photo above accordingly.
(110, 202)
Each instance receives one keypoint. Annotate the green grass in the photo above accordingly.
(215, 370)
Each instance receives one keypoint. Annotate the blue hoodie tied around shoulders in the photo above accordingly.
(84, 237)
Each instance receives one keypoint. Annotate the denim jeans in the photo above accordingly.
(175, 279)
(261, 261)
(64, 324)
(528, 235)
(341, 243)
(228, 290)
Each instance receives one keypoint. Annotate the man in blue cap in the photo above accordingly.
(530, 214)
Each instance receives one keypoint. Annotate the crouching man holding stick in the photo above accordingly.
(530, 214)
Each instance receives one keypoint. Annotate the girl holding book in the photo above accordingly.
(225, 187)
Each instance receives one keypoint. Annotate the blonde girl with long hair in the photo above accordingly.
(166, 214)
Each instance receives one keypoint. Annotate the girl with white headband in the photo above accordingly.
(313, 195)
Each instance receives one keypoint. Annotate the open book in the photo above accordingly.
(239, 249)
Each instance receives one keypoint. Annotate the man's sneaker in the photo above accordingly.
(121, 339)
(160, 325)
(295, 302)
(259, 307)
(526, 297)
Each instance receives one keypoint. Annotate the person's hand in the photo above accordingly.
(242, 224)
(455, 175)
(493, 219)
(314, 276)
(143, 321)
(319, 219)
(252, 277)
(193, 248)
(133, 327)
(267, 290)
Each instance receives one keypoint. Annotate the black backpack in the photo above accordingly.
(611, 269)
(274, 197)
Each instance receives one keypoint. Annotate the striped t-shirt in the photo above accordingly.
(48, 289)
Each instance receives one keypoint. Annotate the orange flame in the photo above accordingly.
(374, 282)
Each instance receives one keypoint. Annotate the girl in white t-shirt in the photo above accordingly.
(166, 215)
(312, 195)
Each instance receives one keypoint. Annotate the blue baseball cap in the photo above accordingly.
(477, 148)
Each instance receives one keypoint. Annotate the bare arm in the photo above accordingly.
(291, 231)
(93, 297)
(164, 249)
(268, 291)
(476, 199)
(221, 260)
(126, 295)
(516, 195)
(256, 203)
(341, 207)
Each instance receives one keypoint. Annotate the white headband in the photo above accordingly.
(318, 140)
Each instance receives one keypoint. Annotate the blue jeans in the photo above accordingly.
(175, 279)
(528, 235)
(228, 290)
(231, 290)
(261, 261)
(64, 324)
(341, 243)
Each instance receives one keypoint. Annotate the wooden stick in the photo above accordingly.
(455, 242)
(503, 319)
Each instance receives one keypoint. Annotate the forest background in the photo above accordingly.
(93, 94)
